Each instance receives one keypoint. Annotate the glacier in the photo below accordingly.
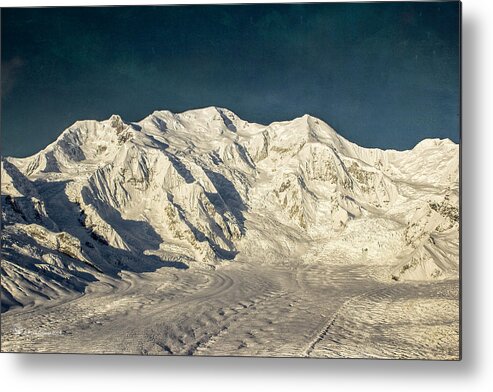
(202, 189)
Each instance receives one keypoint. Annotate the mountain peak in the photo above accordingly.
(435, 142)
(117, 123)
(115, 118)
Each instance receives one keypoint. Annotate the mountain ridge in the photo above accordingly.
(204, 186)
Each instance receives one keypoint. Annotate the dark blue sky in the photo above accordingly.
(382, 74)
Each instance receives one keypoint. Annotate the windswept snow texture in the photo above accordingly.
(201, 233)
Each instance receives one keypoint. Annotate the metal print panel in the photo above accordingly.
(232, 180)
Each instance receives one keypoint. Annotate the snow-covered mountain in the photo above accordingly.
(204, 186)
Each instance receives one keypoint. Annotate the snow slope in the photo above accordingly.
(204, 186)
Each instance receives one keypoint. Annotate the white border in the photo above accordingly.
(22, 372)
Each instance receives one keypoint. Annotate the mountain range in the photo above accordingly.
(204, 187)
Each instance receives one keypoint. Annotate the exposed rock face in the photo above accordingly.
(204, 186)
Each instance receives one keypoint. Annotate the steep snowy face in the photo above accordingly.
(205, 186)
(79, 150)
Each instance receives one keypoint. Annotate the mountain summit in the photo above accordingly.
(204, 187)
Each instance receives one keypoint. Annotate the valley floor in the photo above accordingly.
(246, 309)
